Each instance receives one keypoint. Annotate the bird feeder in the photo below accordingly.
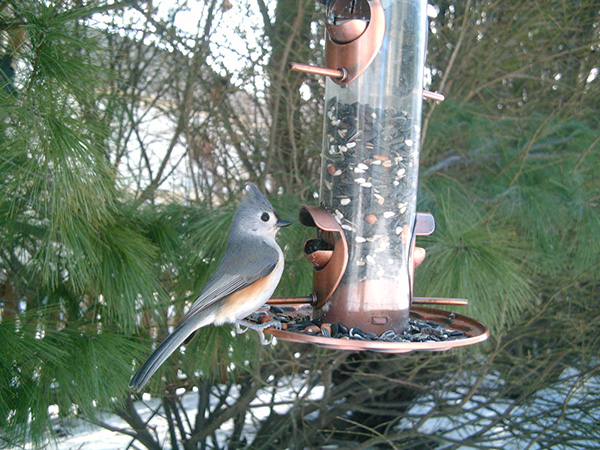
(367, 223)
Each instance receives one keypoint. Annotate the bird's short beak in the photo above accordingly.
(283, 223)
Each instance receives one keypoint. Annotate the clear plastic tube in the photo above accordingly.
(369, 175)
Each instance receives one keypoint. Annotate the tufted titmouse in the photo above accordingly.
(244, 280)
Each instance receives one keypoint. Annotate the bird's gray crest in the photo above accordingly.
(255, 199)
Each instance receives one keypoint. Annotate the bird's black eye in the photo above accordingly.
(265, 217)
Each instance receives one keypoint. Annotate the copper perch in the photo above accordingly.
(342, 74)
(338, 74)
(440, 301)
(307, 299)
(433, 96)
(310, 299)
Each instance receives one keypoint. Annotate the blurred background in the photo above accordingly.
(127, 131)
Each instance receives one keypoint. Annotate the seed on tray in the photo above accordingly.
(417, 331)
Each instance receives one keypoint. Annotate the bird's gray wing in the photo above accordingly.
(242, 265)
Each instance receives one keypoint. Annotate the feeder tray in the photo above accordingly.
(475, 331)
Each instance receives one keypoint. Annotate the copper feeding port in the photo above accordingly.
(347, 20)
(318, 252)
(354, 34)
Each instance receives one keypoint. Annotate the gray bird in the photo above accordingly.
(244, 280)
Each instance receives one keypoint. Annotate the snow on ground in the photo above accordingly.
(502, 425)
(84, 436)
(555, 411)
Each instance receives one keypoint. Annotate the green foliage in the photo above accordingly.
(515, 201)
(76, 261)
(471, 256)
(65, 367)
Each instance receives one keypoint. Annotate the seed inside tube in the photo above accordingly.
(371, 218)
(377, 158)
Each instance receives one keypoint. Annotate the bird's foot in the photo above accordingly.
(258, 327)
(238, 328)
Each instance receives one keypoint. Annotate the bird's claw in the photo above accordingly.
(274, 323)
(238, 328)
(258, 327)
(263, 341)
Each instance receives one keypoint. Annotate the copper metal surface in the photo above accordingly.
(347, 31)
(310, 299)
(364, 303)
(304, 300)
(475, 331)
(372, 305)
(320, 258)
(347, 20)
(433, 96)
(440, 301)
(336, 74)
(327, 279)
(356, 55)
(425, 224)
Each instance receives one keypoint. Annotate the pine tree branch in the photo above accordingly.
(449, 67)
(216, 420)
(277, 77)
(185, 109)
(170, 424)
(141, 432)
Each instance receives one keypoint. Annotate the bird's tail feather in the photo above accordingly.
(164, 350)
